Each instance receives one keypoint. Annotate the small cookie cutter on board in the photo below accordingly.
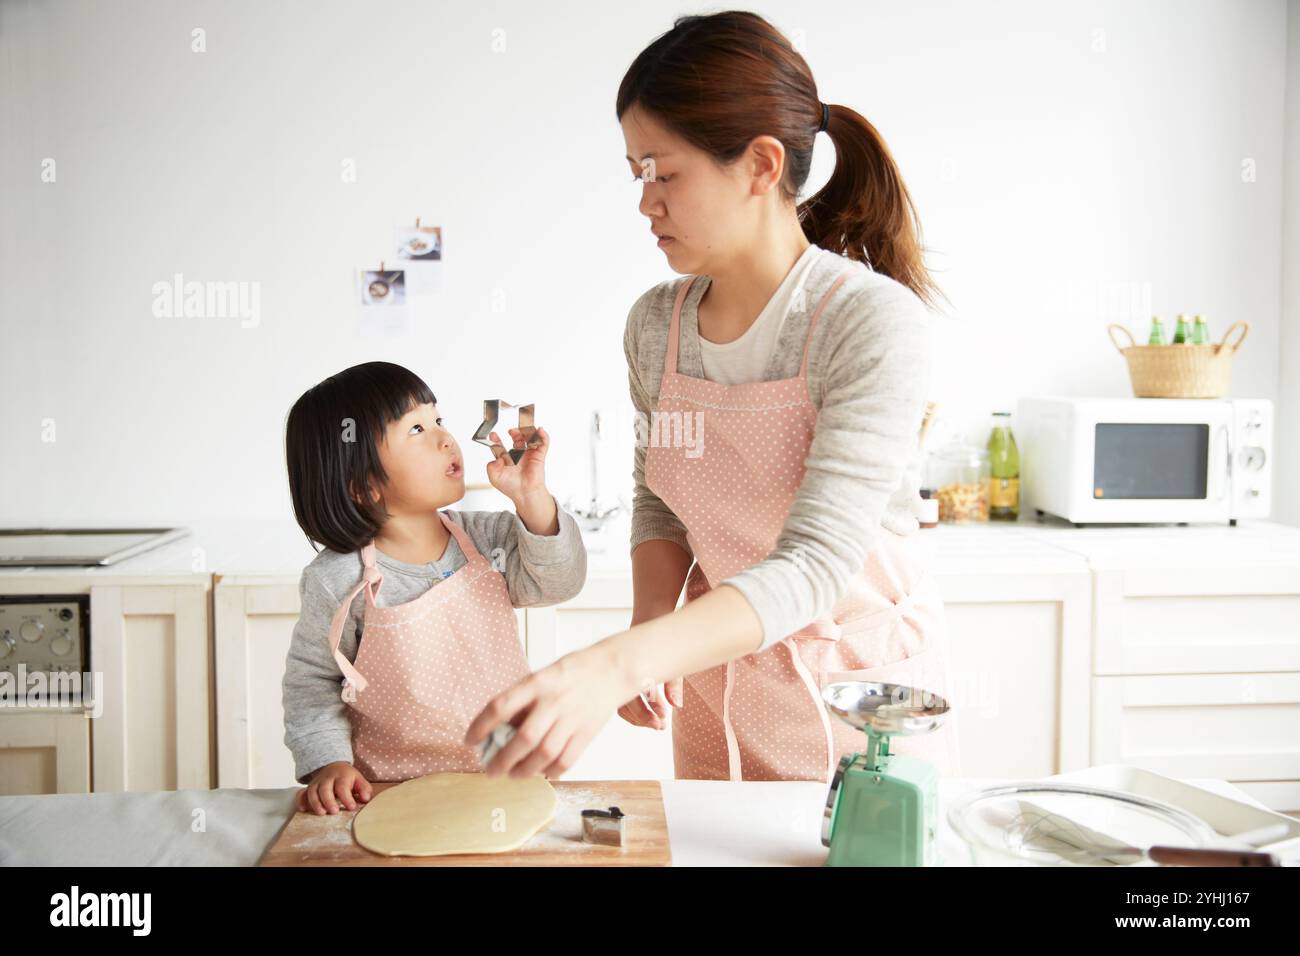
(491, 412)
(605, 827)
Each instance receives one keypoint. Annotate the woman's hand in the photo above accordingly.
(556, 712)
(331, 785)
(526, 480)
(651, 710)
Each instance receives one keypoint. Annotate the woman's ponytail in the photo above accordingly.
(864, 211)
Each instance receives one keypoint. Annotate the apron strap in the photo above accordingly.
(812, 323)
(670, 358)
(471, 551)
(370, 575)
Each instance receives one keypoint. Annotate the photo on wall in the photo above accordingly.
(420, 243)
(420, 249)
(386, 287)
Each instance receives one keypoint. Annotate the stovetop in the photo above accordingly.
(79, 547)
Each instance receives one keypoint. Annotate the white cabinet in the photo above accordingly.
(253, 621)
(1242, 727)
(1197, 673)
(1019, 647)
(150, 654)
(44, 752)
(153, 646)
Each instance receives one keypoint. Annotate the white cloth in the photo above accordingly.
(745, 359)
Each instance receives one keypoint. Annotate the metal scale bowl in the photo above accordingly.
(882, 809)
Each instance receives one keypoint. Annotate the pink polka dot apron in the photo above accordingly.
(430, 666)
(761, 716)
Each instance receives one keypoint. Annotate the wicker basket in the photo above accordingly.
(1180, 371)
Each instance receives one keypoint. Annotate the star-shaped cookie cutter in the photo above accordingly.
(491, 411)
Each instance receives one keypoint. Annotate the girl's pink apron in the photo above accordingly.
(430, 666)
(761, 716)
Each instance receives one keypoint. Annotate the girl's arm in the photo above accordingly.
(540, 569)
(317, 730)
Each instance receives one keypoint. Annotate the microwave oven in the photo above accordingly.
(1145, 460)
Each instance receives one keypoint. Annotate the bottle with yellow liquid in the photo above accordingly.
(1004, 461)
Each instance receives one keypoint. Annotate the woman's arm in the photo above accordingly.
(874, 363)
(659, 570)
(559, 709)
(873, 399)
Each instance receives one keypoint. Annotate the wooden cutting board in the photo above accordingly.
(309, 839)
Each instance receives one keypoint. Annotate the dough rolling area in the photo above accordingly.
(708, 823)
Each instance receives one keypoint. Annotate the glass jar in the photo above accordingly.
(958, 478)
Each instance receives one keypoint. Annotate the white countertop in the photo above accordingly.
(710, 823)
(255, 550)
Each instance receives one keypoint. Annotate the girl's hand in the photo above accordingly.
(556, 712)
(331, 785)
(526, 480)
(637, 713)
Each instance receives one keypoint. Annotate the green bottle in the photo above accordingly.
(1200, 331)
(1180, 330)
(1004, 460)
(1157, 331)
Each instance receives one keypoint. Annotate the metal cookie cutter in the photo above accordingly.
(495, 741)
(491, 411)
(603, 826)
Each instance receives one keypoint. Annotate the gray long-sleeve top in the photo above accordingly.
(539, 570)
(869, 366)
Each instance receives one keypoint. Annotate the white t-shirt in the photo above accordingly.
(745, 359)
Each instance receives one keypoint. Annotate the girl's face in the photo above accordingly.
(712, 213)
(426, 470)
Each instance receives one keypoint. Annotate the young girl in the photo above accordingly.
(407, 626)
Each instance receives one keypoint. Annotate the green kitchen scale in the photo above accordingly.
(882, 809)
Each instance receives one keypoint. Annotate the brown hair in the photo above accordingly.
(720, 80)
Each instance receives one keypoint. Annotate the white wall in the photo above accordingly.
(1287, 507)
(1072, 165)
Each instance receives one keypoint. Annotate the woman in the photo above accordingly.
(780, 389)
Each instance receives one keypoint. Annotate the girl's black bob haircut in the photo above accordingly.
(331, 448)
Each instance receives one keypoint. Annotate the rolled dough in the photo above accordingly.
(445, 813)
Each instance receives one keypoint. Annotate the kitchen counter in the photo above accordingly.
(710, 823)
(253, 550)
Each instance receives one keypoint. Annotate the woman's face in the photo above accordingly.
(710, 212)
(423, 462)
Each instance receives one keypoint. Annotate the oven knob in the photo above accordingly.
(1253, 458)
(6, 645)
(31, 631)
(61, 644)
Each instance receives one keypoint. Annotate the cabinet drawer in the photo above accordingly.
(1196, 621)
(1243, 728)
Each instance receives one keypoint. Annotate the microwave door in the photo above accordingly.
(1159, 471)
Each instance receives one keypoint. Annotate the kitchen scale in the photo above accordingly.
(882, 809)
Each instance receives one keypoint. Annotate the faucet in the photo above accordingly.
(594, 515)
